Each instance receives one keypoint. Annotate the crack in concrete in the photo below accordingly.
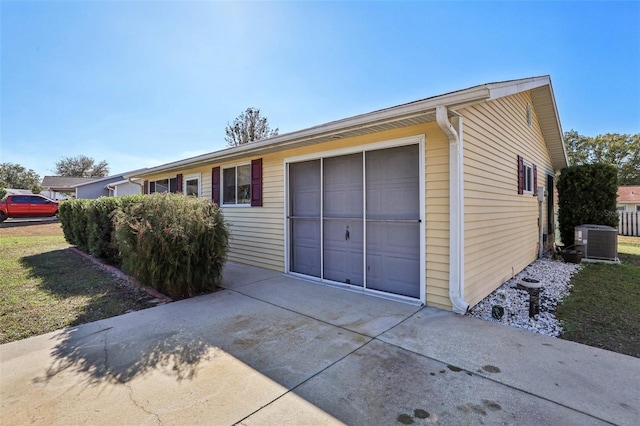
(137, 405)
(106, 351)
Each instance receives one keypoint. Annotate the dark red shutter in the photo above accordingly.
(145, 187)
(520, 175)
(535, 180)
(215, 185)
(256, 182)
(179, 182)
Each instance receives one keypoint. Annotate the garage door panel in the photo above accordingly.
(304, 188)
(305, 237)
(398, 276)
(393, 183)
(304, 211)
(393, 227)
(393, 257)
(343, 186)
(343, 251)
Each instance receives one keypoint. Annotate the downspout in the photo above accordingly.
(456, 209)
(136, 183)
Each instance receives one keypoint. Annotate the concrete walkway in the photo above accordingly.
(270, 349)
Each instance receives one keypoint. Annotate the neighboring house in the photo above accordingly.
(61, 187)
(433, 201)
(628, 199)
(110, 186)
(125, 187)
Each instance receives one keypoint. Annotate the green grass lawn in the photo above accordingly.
(45, 287)
(603, 309)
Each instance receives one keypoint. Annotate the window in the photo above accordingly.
(527, 177)
(638, 208)
(236, 185)
(192, 187)
(163, 185)
(20, 199)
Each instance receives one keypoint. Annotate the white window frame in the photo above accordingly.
(168, 178)
(234, 166)
(193, 176)
(527, 178)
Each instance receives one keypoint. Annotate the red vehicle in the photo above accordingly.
(27, 206)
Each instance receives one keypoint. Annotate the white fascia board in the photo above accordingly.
(132, 173)
(555, 109)
(124, 182)
(507, 88)
(462, 97)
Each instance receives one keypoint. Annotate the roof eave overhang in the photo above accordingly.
(412, 113)
(387, 119)
(544, 103)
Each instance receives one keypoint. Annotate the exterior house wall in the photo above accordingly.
(628, 207)
(126, 189)
(501, 231)
(99, 188)
(93, 190)
(257, 233)
(501, 226)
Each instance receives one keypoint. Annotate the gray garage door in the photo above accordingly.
(304, 200)
(328, 223)
(393, 220)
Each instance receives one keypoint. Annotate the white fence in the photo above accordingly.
(628, 224)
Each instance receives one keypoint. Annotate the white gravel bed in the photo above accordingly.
(554, 277)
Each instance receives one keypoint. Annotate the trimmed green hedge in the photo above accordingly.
(171, 242)
(73, 215)
(174, 243)
(65, 216)
(100, 239)
(586, 195)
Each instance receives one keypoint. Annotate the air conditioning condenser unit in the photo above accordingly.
(598, 242)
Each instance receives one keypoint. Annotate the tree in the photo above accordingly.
(17, 177)
(248, 127)
(586, 195)
(81, 166)
(620, 150)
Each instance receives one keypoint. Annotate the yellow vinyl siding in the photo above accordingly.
(501, 226)
(437, 217)
(257, 233)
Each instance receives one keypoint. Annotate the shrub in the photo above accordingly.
(172, 242)
(65, 216)
(79, 222)
(73, 217)
(586, 195)
(100, 229)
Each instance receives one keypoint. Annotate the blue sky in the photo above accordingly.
(142, 83)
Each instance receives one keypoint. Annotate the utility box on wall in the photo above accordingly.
(598, 242)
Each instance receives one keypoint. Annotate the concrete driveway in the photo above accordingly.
(271, 349)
